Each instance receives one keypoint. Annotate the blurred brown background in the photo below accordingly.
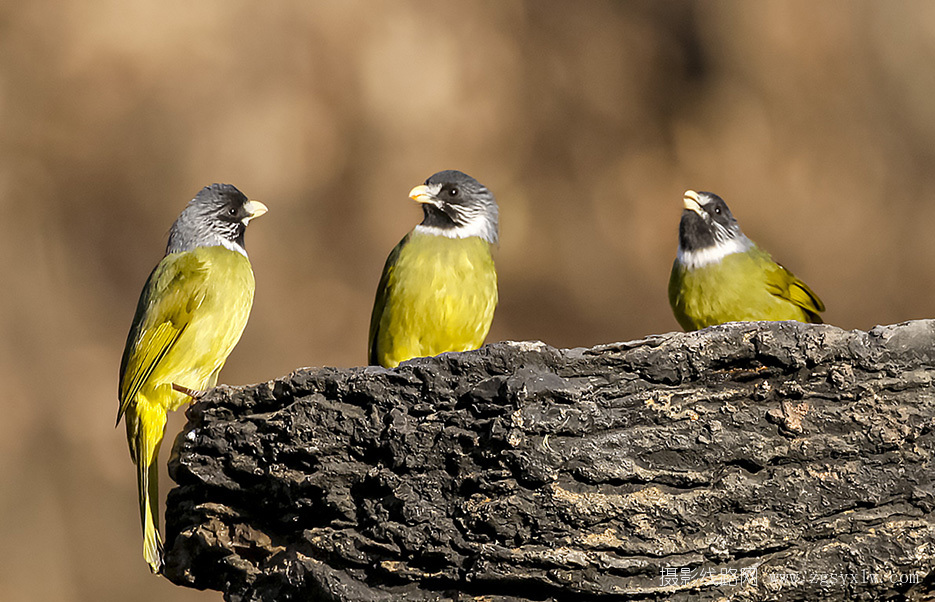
(814, 120)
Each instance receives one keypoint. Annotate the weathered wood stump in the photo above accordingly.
(750, 461)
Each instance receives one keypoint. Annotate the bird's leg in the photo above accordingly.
(195, 395)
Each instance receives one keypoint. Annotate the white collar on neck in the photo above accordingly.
(479, 228)
(232, 246)
(703, 257)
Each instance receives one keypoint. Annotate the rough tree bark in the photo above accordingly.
(753, 461)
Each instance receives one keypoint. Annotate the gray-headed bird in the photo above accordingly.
(191, 313)
(438, 291)
(719, 275)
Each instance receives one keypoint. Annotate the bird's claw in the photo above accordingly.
(196, 395)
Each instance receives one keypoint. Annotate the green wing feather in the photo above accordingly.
(174, 290)
(379, 303)
(783, 283)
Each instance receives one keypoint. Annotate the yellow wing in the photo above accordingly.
(783, 283)
(174, 290)
(379, 303)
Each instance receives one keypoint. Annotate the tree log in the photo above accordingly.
(749, 461)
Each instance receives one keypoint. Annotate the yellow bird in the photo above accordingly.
(191, 313)
(719, 275)
(438, 291)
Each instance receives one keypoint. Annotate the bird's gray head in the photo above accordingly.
(217, 216)
(708, 231)
(457, 206)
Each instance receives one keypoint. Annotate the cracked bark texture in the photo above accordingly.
(750, 461)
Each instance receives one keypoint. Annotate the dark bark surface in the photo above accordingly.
(770, 461)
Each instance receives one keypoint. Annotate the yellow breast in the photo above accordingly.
(438, 295)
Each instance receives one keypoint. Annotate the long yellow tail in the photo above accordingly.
(148, 483)
(145, 430)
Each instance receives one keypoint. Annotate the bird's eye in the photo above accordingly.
(231, 211)
(452, 192)
(717, 210)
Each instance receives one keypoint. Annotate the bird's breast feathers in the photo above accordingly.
(743, 286)
(441, 295)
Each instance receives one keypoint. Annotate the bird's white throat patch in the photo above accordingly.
(479, 228)
(702, 257)
(232, 246)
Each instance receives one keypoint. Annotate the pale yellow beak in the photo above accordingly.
(690, 201)
(422, 194)
(254, 209)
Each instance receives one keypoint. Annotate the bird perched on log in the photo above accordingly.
(438, 291)
(191, 313)
(720, 275)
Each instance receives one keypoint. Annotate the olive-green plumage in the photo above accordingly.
(438, 290)
(191, 313)
(743, 287)
(437, 294)
(720, 276)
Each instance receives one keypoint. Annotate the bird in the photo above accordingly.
(719, 275)
(191, 313)
(438, 290)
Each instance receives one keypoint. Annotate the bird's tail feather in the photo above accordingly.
(148, 437)
(148, 475)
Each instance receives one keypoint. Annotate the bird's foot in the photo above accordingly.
(195, 395)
